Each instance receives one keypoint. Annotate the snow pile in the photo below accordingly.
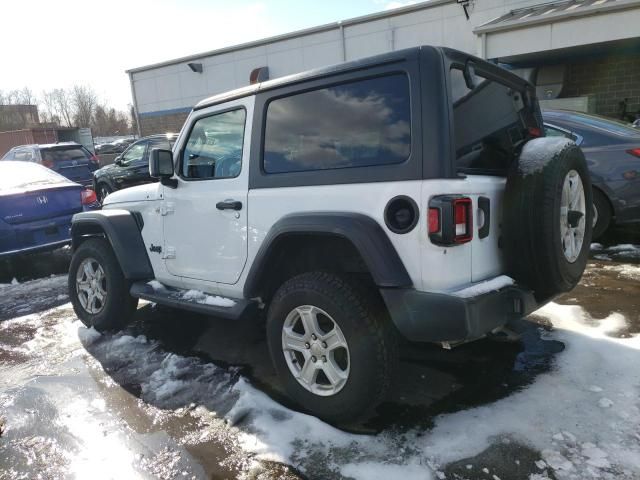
(195, 296)
(583, 417)
(201, 297)
(624, 270)
(624, 251)
(156, 285)
(484, 287)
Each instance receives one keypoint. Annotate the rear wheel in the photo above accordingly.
(331, 345)
(98, 289)
(601, 214)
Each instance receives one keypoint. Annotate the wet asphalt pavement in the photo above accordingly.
(164, 398)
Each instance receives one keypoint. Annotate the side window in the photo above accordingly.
(8, 155)
(134, 154)
(487, 123)
(214, 146)
(357, 124)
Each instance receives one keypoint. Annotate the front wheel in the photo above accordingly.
(98, 289)
(331, 344)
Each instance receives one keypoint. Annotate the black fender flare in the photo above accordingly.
(123, 233)
(366, 235)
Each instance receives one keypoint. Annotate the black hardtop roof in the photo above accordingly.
(316, 73)
(390, 57)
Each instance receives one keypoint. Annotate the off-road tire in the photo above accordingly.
(361, 315)
(119, 306)
(603, 221)
(531, 217)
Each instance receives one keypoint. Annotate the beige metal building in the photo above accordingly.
(582, 54)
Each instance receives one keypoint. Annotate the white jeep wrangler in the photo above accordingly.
(404, 194)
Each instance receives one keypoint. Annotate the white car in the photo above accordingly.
(406, 194)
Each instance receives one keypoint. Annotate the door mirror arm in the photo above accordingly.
(169, 182)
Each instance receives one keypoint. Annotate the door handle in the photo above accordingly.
(229, 205)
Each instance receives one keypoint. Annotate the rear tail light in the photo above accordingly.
(463, 220)
(95, 160)
(635, 152)
(88, 197)
(434, 220)
(450, 220)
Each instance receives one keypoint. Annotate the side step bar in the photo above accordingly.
(173, 298)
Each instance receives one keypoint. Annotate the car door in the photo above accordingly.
(134, 165)
(205, 226)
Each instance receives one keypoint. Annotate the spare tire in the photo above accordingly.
(547, 218)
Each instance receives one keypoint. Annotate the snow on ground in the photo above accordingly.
(583, 416)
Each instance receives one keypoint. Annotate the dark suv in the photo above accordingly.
(69, 159)
(132, 167)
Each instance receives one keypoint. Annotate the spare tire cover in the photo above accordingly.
(547, 217)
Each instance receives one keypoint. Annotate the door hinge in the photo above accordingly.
(169, 252)
(165, 209)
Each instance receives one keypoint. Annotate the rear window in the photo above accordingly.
(64, 154)
(488, 123)
(356, 124)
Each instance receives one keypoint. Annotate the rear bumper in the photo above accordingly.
(440, 317)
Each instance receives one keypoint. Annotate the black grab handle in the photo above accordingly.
(229, 205)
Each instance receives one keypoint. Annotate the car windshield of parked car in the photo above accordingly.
(14, 175)
(134, 154)
(57, 155)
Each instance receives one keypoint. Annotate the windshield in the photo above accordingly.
(21, 175)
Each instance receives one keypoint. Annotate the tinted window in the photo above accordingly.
(63, 154)
(487, 123)
(357, 124)
(214, 147)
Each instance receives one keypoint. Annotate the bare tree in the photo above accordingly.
(84, 101)
(58, 105)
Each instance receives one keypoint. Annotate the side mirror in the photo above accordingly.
(161, 166)
(118, 160)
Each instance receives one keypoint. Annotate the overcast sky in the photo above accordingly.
(58, 43)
